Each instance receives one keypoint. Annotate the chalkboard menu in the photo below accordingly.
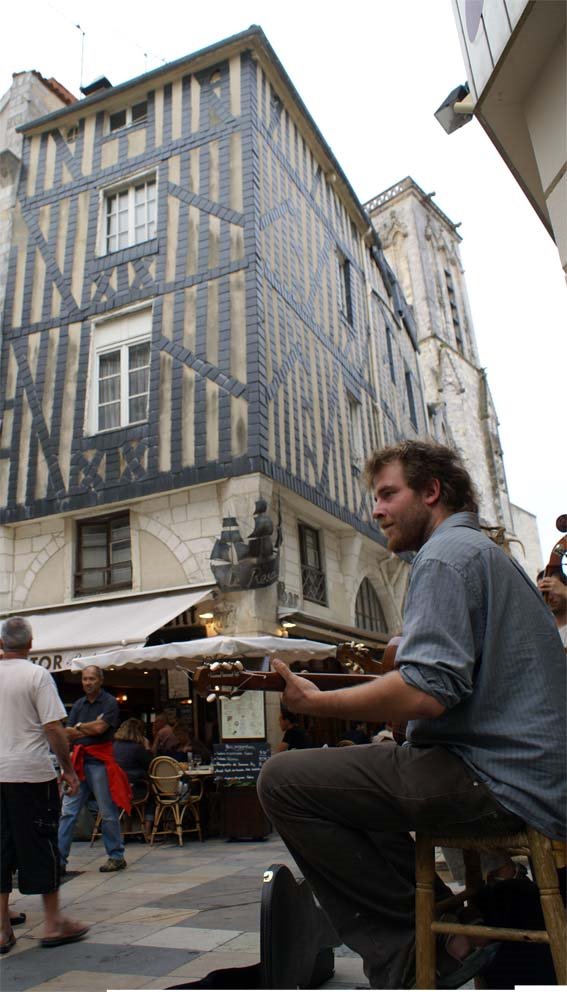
(240, 761)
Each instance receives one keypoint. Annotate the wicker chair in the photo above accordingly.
(171, 807)
(545, 857)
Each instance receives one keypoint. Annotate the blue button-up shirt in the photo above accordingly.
(479, 638)
(104, 707)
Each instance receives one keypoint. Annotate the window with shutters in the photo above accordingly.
(104, 557)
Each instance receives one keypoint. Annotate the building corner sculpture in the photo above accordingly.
(238, 565)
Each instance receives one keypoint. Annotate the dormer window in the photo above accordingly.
(129, 116)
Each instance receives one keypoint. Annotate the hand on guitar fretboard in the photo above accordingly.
(231, 678)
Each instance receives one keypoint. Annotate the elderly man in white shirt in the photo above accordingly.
(30, 723)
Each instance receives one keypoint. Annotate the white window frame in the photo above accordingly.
(128, 186)
(118, 333)
(128, 111)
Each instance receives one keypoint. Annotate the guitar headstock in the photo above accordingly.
(220, 678)
(355, 656)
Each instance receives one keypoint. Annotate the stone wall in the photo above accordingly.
(171, 541)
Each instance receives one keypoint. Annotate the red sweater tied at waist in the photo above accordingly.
(120, 788)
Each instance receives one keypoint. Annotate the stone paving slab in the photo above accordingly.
(238, 917)
(175, 914)
(76, 981)
(191, 938)
(211, 961)
(22, 971)
(144, 914)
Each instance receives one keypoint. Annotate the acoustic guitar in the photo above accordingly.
(230, 678)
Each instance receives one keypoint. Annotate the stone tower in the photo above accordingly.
(422, 246)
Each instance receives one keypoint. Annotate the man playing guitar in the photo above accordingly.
(480, 676)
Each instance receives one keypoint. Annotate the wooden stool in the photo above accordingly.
(544, 855)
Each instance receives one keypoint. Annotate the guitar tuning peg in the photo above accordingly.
(211, 697)
(239, 666)
(227, 666)
(215, 666)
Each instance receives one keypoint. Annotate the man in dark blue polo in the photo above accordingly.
(90, 730)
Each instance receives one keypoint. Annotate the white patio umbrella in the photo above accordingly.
(191, 654)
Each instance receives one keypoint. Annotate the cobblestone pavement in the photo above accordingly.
(172, 916)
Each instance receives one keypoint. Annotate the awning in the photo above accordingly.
(89, 629)
(190, 654)
(307, 625)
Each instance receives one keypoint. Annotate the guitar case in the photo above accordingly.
(296, 941)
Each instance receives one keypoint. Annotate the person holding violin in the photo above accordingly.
(554, 589)
(552, 581)
(480, 675)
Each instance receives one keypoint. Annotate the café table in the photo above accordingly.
(202, 771)
(204, 774)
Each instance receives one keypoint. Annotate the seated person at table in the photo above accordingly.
(132, 754)
(165, 740)
(189, 747)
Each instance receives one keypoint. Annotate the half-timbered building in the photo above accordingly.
(197, 315)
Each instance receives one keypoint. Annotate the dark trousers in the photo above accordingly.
(29, 815)
(345, 813)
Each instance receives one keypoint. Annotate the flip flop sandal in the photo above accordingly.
(7, 945)
(64, 938)
(476, 962)
(452, 973)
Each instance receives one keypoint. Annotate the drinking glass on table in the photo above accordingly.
(197, 760)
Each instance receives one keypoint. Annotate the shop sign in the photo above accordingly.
(55, 661)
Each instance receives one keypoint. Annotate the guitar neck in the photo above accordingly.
(272, 682)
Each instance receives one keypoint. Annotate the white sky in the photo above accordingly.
(371, 73)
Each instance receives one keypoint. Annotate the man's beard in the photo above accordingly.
(411, 534)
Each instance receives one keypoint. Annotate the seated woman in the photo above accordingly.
(132, 754)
